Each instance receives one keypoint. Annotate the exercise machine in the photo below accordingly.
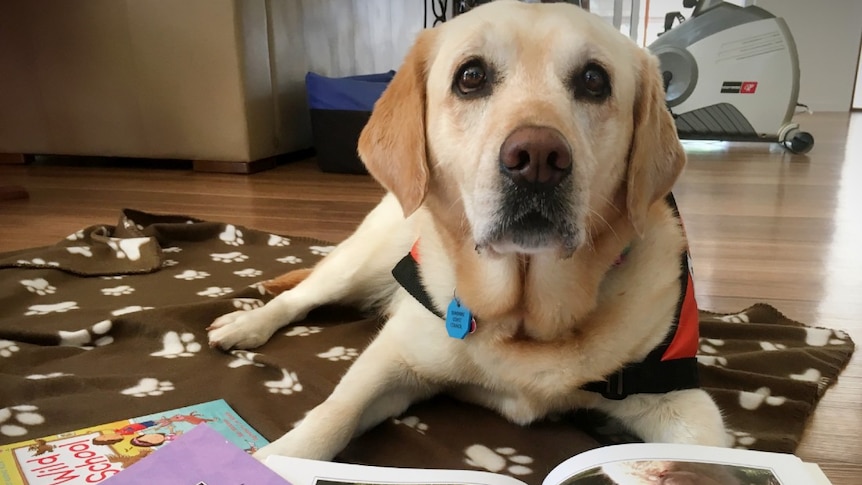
(731, 73)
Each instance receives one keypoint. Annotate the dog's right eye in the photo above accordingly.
(471, 78)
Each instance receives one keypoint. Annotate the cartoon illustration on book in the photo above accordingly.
(90, 455)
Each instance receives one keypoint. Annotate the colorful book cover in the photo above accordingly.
(201, 456)
(90, 455)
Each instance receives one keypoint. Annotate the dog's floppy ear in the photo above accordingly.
(656, 158)
(392, 144)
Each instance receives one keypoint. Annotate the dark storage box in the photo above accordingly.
(340, 107)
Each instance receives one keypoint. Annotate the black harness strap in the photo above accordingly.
(406, 273)
(649, 376)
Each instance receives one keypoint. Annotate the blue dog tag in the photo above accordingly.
(459, 320)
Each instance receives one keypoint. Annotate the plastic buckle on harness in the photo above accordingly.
(614, 388)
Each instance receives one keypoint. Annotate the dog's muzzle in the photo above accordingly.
(535, 211)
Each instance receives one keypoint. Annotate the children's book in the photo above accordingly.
(201, 456)
(626, 464)
(91, 455)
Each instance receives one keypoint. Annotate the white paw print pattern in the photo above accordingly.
(503, 459)
(85, 251)
(172, 249)
(176, 344)
(76, 236)
(118, 290)
(231, 236)
(243, 358)
(708, 345)
(190, 275)
(735, 318)
(412, 422)
(248, 273)
(8, 348)
(811, 375)
(95, 336)
(820, 337)
(149, 387)
(338, 353)
(215, 291)
(130, 309)
(771, 347)
(37, 262)
(259, 287)
(740, 439)
(302, 331)
(289, 260)
(321, 250)
(841, 337)
(231, 257)
(712, 360)
(128, 223)
(169, 262)
(14, 419)
(277, 241)
(128, 248)
(247, 303)
(61, 307)
(39, 286)
(52, 375)
(112, 278)
(287, 385)
(753, 400)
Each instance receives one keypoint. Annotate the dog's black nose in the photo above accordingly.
(536, 157)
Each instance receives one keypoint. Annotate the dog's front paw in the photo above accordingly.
(291, 445)
(241, 330)
(267, 451)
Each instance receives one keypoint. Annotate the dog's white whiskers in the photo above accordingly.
(613, 231)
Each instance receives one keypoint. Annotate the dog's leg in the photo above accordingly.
(357, 271)
(686, 417)
(379, 385)
(515, 407)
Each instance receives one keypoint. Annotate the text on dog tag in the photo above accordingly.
(459, 320)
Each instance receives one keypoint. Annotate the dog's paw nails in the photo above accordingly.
(214, 344)
(222, 321)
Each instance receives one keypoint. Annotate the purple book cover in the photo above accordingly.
(201, 456)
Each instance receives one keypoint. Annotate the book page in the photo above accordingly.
(817, 475)
(299, 471)
(647, 464)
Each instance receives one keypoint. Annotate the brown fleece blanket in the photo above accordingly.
(109, 323)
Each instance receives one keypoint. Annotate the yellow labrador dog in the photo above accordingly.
(528, 158)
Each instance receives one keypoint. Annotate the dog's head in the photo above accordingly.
(534, 122)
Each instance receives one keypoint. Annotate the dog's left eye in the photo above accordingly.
(592, 83)
(471, 78)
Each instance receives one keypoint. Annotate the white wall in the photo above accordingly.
(827, 37)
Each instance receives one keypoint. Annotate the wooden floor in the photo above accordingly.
(764, 225)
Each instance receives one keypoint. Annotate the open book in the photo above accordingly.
(627, 464)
